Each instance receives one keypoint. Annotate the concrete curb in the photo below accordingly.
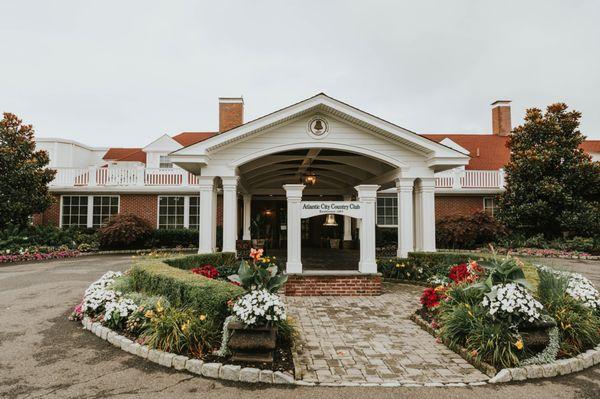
(589, 358)
(227, 372)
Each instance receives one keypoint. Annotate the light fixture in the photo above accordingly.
(330, 220)
(310, 178)
(268, 212)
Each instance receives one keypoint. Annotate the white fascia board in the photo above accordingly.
(164, 143)
(68, 141)
(449, 143)
(396, 132)
(83, 190)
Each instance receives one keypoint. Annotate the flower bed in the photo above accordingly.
(498, 315)
(183, 306)
(37, 255)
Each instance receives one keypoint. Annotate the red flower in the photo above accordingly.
(459, 273)
(430, 298)
(208, 271)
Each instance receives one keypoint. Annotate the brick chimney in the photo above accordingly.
(501, 125)
(231, 113)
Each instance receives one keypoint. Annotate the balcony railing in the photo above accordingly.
(90, 177)
(470, 179)
(148, 177)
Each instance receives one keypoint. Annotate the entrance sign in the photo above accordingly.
(345, 208)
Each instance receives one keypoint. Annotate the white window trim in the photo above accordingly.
(186, 209)
(377, 213)
(90, 205)
(494, 200)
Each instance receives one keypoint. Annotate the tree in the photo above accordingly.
(25, 178)
(552, 185)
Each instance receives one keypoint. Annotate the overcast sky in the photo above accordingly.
(121, 73)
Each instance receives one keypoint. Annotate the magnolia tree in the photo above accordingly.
(552, 185)
(25, 178)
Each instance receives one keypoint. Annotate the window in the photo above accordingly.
(88, 210)
(104, 207)
(165, 162)
(74, 210)
(171, 212)
(387, 211)
(194, 222)
(490, 205)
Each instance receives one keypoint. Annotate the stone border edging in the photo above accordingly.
(559, 367)
(227, 372)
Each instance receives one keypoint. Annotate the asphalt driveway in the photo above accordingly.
(42, 354)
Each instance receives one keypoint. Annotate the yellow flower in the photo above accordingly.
(397, 265)
(202, 317)
(519, 344)
(149, 314)
(185, 326)
(159, 307)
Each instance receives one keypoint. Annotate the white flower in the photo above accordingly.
(512, 299)
(259, 306)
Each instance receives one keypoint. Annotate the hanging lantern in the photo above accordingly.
(330, 220)
(310, 178)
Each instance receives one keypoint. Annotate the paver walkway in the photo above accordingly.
(362, 340)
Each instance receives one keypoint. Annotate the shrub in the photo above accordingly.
(440, 262)
(161, 238)
(579, 326)
(182, 288)
(207, 271)
(468, 232)
(124, 231)
(494, 342)
(183, 331)
(217, 259)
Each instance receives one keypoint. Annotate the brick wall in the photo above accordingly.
(230, 115)
(142, 205)
(51, 215)
(446, 205)
(369, 285)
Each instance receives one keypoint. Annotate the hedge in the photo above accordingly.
(184, 289)
(162, 238)
(216, 259)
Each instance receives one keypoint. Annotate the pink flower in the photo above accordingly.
(256, 254)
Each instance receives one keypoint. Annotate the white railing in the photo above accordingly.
(74, 177)
(470, 179)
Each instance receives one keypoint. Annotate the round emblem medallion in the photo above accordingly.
(318, 126)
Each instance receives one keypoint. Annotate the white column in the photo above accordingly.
(247, 216)
(92, 176)
(347, 222)
(427, 214)
(404, 190)
(367, 195)
(207, 223)
(230, 212)
(215, 196)
(293, 192)
(417, 216)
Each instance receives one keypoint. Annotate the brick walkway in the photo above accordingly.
(363, 340)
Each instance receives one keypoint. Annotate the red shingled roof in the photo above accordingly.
(125, 154)
(488, 151)
(189, 138)
(591, 146)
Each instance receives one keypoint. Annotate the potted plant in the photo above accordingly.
(254, 333)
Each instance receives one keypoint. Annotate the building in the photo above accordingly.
(319, 150)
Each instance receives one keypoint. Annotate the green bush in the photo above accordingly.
(47, 237)
(184, 289)
(182, 331)
(124, 231)
(217, 259)
(439, 263)
(162, 238)
(468, 232)
(579, 326)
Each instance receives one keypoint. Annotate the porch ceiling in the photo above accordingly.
(334, 169)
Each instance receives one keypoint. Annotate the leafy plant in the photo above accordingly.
(468, 232)
(497, 343)
(501, 271)
(260, 274)
(123, 231)
(182, 331)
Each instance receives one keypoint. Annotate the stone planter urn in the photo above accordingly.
(536, 336)
(254, 344)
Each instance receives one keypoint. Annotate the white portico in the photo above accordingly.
(317, 153)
